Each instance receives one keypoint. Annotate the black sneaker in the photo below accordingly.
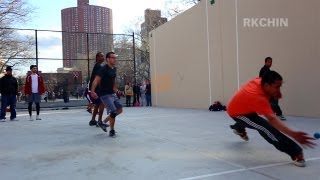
(107, 125)
(102, 126)
(93, 123)
(243, 135)
(112, 133)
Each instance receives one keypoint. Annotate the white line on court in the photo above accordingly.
(244, 169)
(54, 112)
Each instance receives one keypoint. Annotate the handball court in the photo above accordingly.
(151, 143)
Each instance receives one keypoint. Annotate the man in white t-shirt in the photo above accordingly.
(34, 89)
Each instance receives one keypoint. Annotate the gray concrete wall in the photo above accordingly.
(208, 52)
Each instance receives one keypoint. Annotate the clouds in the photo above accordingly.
(49, 46)
(126, 12)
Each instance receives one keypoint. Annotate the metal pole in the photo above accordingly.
(36, 36)
(88, 56)
(134, 60)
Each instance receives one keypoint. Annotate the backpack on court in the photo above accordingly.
(217, 106)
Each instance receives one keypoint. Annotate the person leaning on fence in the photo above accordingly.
(9, 91)
(34, 89)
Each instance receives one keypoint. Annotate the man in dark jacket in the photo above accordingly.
(9, 91)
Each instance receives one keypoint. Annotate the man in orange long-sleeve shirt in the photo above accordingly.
(251, 101)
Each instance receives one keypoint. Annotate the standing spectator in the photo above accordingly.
(9, 91)
(98, 105)
(274, 102)
(45, 96)
(106, 77)
(34, 89)
(148, 92)
(19, 96)
(128, 92)
(143, 92)
(86, 94)
(53, 96)
(136, 95)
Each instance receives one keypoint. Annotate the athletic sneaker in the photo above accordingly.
(103, 123)
(92, 123)
(112, 133)
(103, 126)
(14, 119)
(282, 118)
(31, 119)
(243, 135)
(2, 120)
(38, 118)
(299, 160)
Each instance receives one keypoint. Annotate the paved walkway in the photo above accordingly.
(151, 143)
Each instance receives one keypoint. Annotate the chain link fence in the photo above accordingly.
(64, 59)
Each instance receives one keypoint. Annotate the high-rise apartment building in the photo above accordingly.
(86, 29)
(152, 19)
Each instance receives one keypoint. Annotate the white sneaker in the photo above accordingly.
(2, 120)
(14, 119)
(38, 118)
(299, 160)
(31, 119)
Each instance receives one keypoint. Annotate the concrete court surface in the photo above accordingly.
(151, 143)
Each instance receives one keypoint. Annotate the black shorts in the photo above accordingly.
(95, 101)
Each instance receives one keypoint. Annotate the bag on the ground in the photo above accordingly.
(217, 106)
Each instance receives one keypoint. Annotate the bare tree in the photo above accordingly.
(123, 46)
(175, 7)
(14, 48)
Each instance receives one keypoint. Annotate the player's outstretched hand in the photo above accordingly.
(304, 139)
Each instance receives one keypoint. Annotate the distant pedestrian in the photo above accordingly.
(34, 89)
(86, 93)
(9, 92)
(143, 93)
(129, 93)
(136, 95)
(45, 96)
(148, 92)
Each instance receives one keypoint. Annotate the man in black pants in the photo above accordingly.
(9, 91)
(251, 101)
(274, 102)
(106, 78)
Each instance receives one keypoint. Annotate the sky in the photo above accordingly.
(47, 16)
(47, 13)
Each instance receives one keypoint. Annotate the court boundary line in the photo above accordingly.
(243, 169)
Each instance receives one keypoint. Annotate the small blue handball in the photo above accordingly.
(317, 135)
